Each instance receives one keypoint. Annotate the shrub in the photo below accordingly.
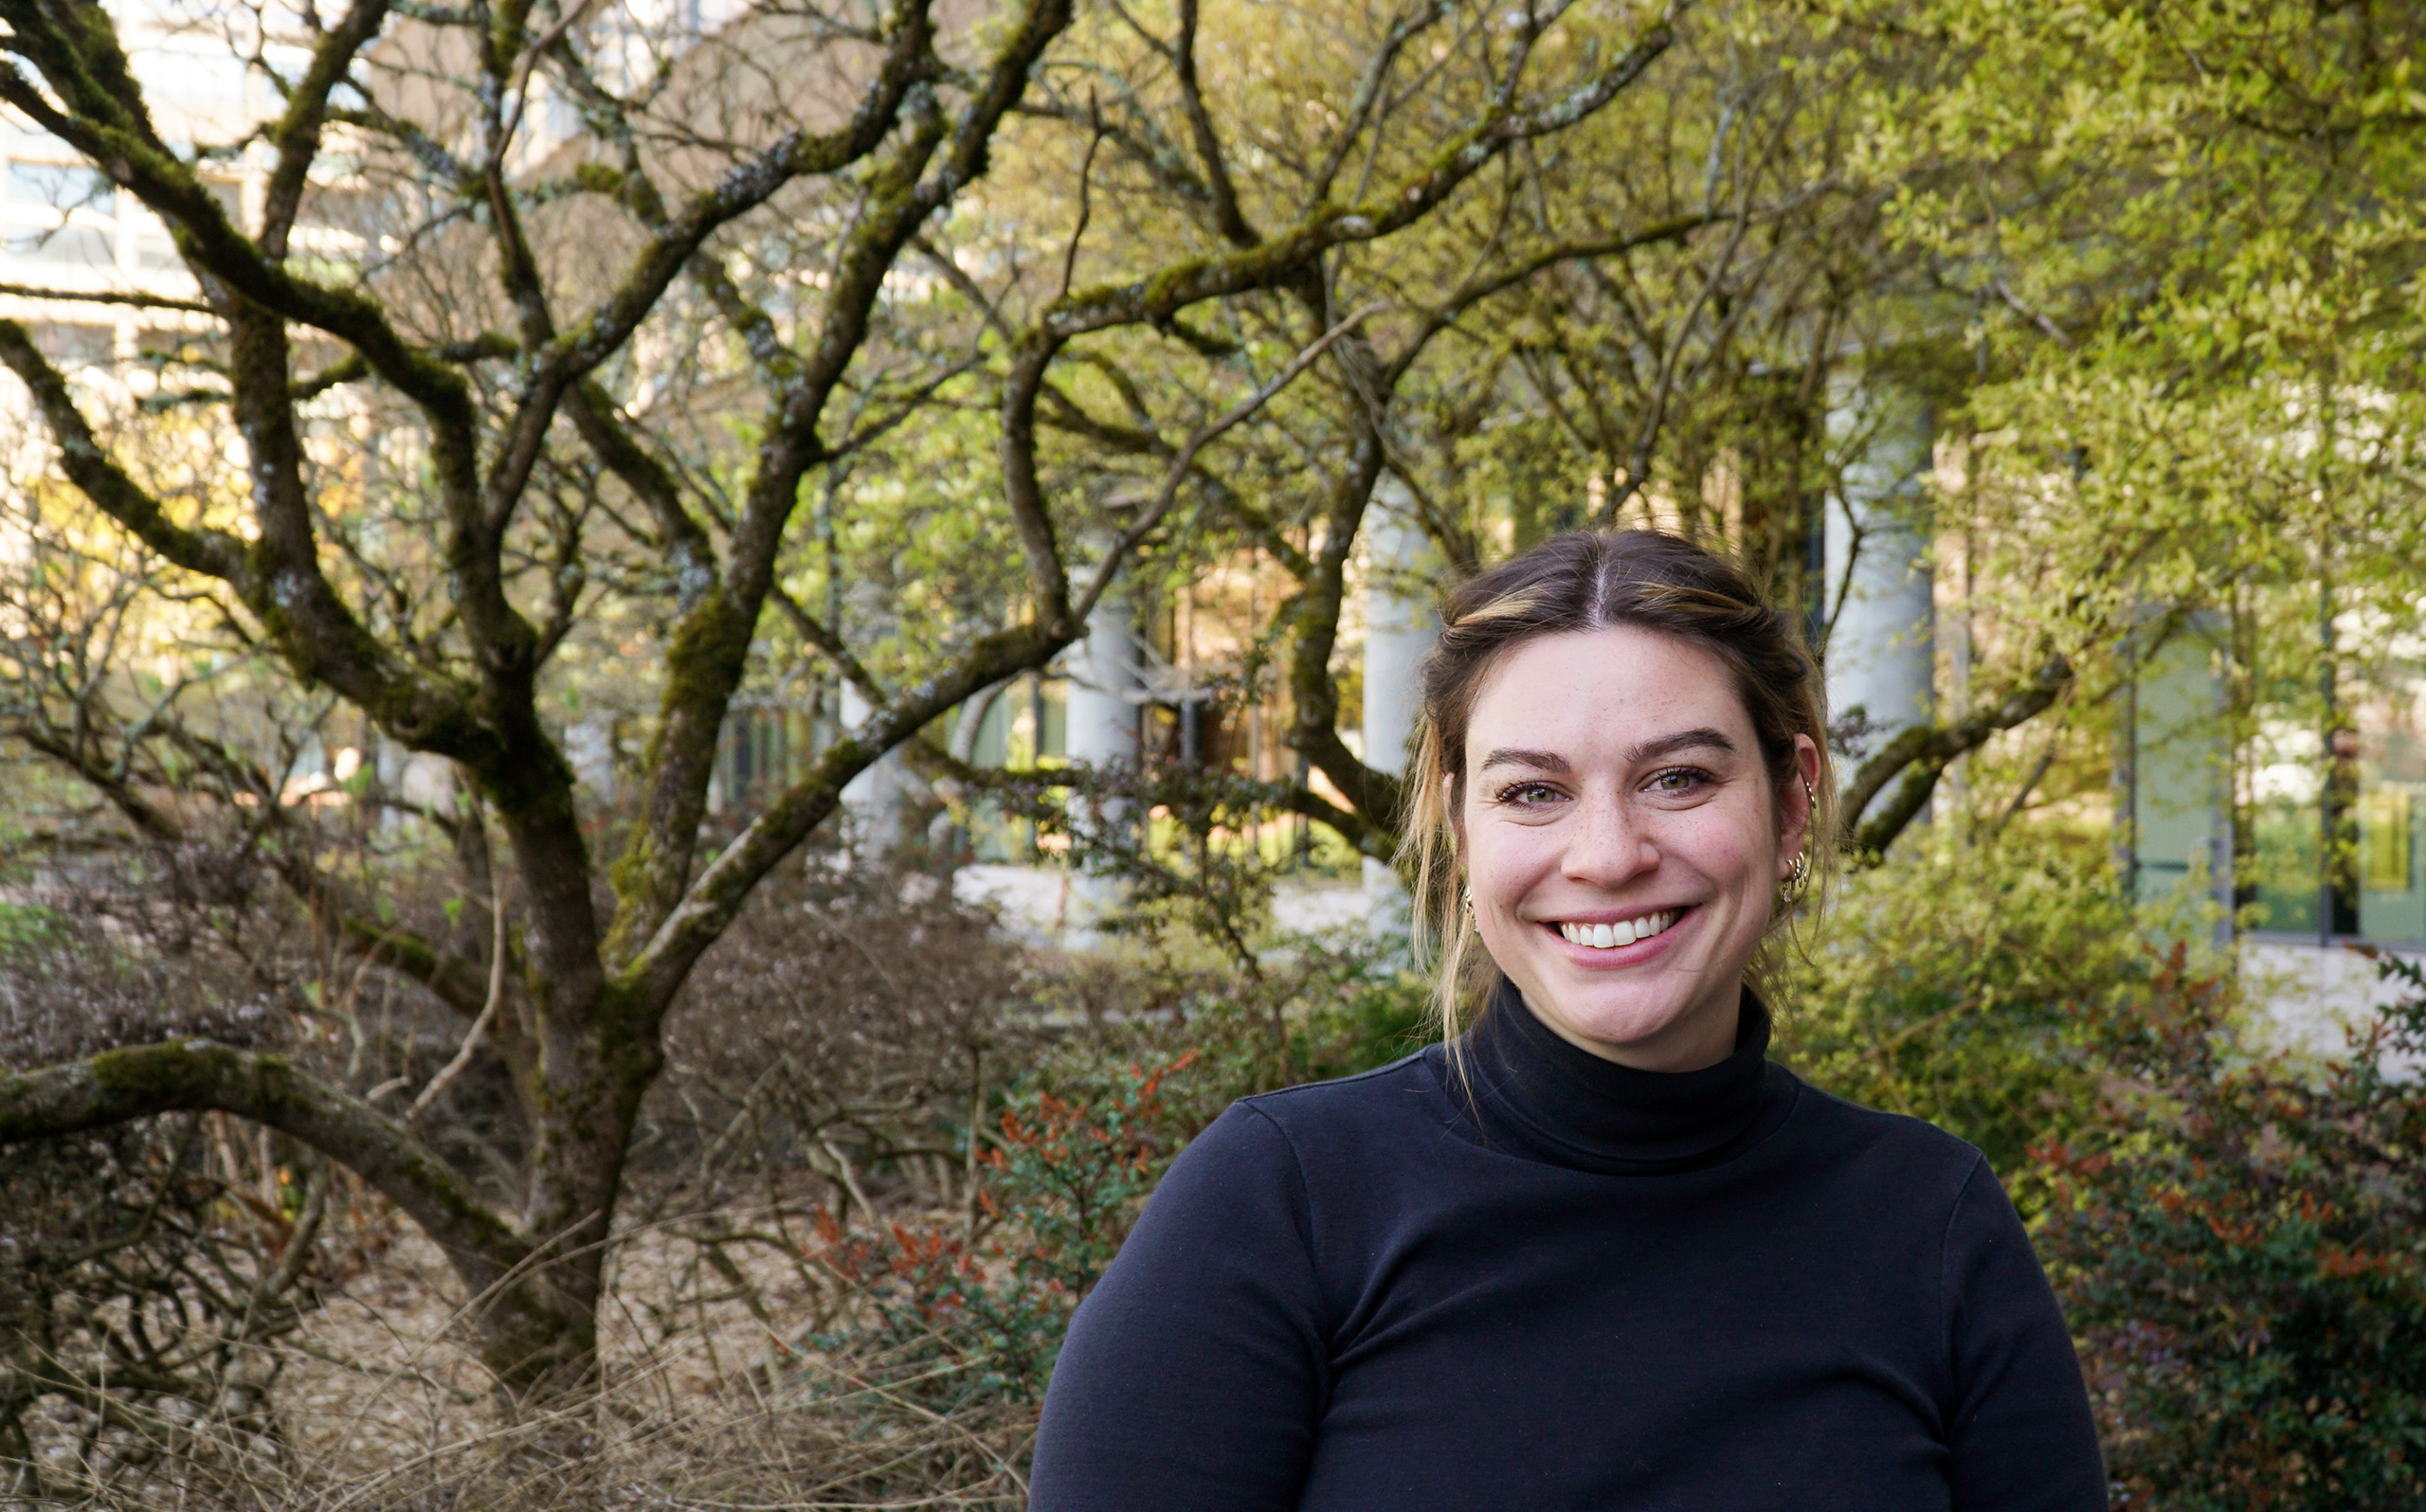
(974, 1308)
(840, 1032)
(146, 1272)
(2242, 1248)
(1964, 986)
(956, 1318)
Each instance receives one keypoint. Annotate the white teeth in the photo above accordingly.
(1624, 933)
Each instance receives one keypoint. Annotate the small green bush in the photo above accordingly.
(969, 1313)
(1961, 984)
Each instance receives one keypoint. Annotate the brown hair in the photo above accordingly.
(1595, 579)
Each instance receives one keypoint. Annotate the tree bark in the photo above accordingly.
(1922, 752)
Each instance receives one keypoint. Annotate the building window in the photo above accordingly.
(2384, 839)
(2362, 860)
(71, 347)
(61, 213)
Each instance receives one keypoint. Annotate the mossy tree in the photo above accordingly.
(620, 299)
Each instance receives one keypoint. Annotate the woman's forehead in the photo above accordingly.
(1603, 693)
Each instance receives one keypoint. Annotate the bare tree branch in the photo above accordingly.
(1150, 518)
(118, 296)
(90, 467)
(1923, 751)
(116, 1086)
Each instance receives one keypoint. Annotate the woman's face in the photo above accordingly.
(1623, 841)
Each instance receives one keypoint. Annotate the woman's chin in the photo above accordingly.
(1618, 1023)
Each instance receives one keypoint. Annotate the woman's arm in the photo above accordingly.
(2019, 1426)
(1194, 1375)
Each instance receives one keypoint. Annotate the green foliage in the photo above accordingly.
(2240, 1248)
(973, 1310)
(1321, 1009)
(1958, 984)
(2188, 240)
(27, 927)
(2236, 1239)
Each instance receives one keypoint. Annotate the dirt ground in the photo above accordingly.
(385, 1405)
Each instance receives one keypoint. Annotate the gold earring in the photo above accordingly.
(1470, 899)
(1797, 877)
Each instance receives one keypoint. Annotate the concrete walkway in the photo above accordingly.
(2310, 996)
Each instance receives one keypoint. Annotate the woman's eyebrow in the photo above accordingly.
(1704, 738)
(1547, 761)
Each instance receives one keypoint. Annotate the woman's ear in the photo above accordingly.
(1801, 804)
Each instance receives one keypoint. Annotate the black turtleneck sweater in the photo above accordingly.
(1570, 1285)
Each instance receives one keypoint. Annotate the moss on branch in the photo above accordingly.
(119, 1086)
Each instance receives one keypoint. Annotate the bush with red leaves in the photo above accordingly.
(957, 1313)
(2242, 1246)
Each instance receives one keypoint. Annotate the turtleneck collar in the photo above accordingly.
(1535, 1094)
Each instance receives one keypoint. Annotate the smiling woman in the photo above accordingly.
(1623, 861)
(1594, 1250)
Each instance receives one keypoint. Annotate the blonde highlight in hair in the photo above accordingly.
(1593, 580)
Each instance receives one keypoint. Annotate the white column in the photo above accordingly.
(872, 801)
(2180, 814)
(1881, 655)
(1101, 729)
(1400, 625)
(589, 749)
(387, 760)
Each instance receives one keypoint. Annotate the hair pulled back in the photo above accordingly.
(1599, 580)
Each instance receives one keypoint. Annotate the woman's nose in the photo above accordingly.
(1607, 846)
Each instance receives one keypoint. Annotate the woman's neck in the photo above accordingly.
(1534, 1093)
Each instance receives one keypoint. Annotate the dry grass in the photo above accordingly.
(712, 1399)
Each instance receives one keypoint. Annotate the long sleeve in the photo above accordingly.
(1194, 1375)
(2019, 1425)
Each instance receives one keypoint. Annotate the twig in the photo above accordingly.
(850, 1179)
(381, 1373)
(2021, 797)
(140, 301)
(1086, 207)
(488, 1010)
(1185, 462)
(976, 1116)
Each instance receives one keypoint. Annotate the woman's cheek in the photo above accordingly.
(1722, 842)
(1512, 859)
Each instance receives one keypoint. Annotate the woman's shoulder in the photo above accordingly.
(1848, 1131)
(1325, 1120)
(1295, 1143)
(1404, 1084)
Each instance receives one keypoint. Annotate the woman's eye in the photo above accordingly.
(1528, 795)
(1677, 781)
